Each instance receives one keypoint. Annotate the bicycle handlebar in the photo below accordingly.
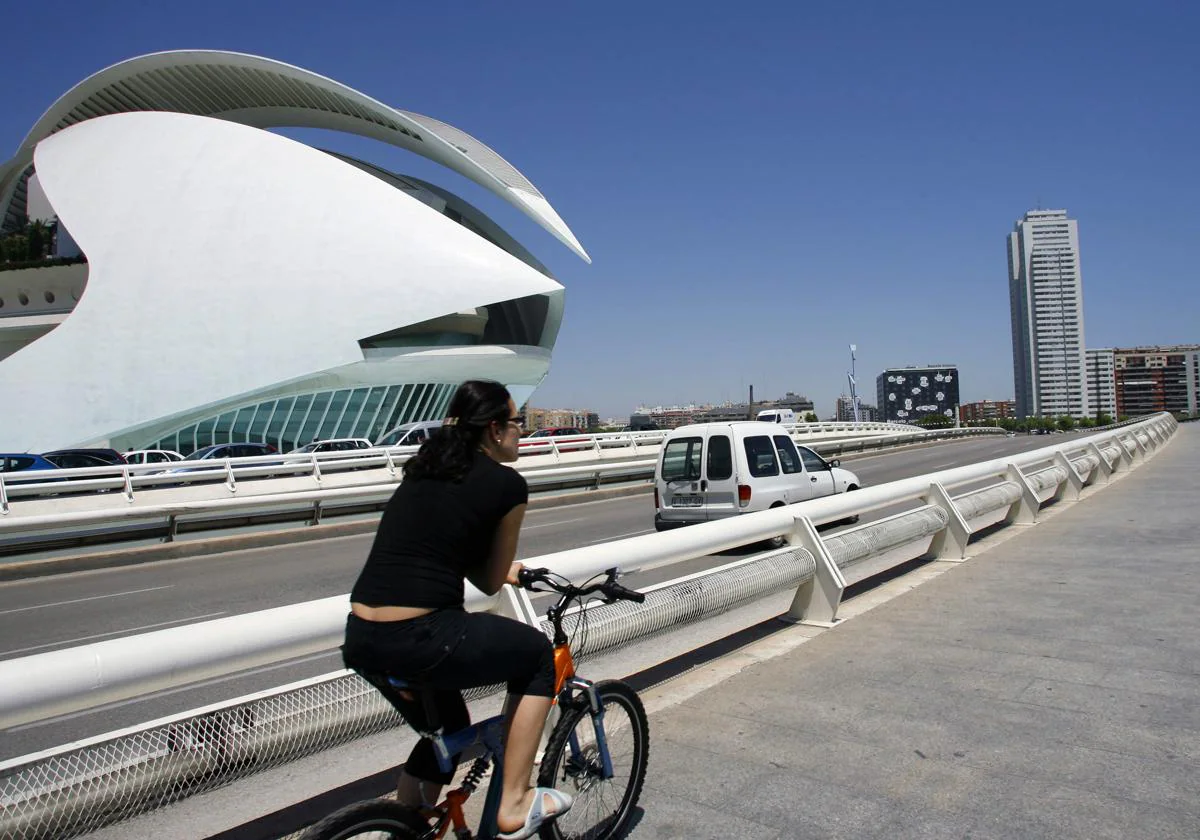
(609, 588)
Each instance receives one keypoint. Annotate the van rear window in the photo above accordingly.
(760, 456)
(720, 458)
(681, 459)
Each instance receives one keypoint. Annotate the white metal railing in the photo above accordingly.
(53, 683)
(71, 789)
(318, 485)
(364, 466)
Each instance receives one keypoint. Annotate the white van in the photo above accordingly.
(777, 415)
(409, 434)
(711, 471)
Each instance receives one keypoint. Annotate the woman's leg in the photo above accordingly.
(524, 719)
(421, 779)
(494, 650)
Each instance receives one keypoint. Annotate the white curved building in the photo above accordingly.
(240, 285)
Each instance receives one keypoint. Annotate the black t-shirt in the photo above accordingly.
(433, 532)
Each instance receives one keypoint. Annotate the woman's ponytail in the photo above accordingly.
(450, 450)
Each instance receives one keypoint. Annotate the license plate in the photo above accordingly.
(686, 501)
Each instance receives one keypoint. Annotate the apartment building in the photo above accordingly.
(1158, 378)
(984, 410)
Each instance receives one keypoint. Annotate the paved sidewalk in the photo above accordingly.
(1048, 687)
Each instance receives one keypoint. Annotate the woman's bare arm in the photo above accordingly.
(493, 574)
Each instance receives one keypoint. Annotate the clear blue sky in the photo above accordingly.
(759, 184)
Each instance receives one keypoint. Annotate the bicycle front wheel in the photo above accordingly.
(376, 819)
(573, 764)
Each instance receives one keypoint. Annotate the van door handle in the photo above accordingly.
(704, 484)
(814, 478)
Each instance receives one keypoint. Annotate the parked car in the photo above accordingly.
(72, 459)
(409, 434)
(560, 434)
(554, 432)
(12, 462)
(152, 456)
(220, 451)
(711, 471)
(333, 445)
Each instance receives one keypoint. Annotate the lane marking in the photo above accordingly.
(111, 633)
(619, 536)
(90, 598)
(551, 524)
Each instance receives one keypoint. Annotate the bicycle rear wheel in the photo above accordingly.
(602, 807)
(375, 819)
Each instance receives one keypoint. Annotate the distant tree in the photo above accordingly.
(935, 421)
(1104, 419)
(39, 238)
(1087, 423)
(810, 418)
(17, 247)
(1065, 423)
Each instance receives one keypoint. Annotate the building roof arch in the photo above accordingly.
(266, 93)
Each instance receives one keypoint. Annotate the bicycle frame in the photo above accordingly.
(486, 736)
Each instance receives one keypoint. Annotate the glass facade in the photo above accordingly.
(295, 421)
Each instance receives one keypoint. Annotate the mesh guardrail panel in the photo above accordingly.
(980, 502)
(850, 547)
(76, 791)
(1047, 479)
(1085, 464)
(73, 792)
(611, 626)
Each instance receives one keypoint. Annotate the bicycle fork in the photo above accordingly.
(588, 689)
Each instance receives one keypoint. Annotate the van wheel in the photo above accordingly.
(775, 542)
(851, 520)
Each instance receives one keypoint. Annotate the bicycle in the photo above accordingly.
(578, 759)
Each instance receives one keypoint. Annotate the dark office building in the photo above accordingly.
(905, 395)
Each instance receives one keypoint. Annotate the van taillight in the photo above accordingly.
(656, 498)
(743, 494)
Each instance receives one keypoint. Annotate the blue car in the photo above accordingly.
(23, 462)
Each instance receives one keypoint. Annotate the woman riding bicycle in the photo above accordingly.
(457, 515)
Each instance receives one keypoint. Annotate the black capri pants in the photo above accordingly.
(447, 651)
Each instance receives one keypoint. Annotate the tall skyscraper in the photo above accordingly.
(1046, 295)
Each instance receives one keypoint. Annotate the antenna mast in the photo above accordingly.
(853, 384)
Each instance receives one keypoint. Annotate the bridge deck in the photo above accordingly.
(1046, 688)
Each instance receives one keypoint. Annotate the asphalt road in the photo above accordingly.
(48, 613)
